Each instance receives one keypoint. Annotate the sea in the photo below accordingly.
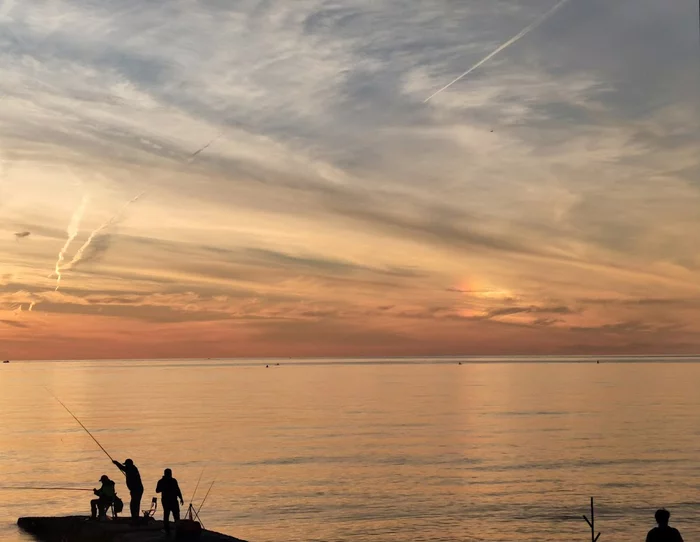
(381, 450)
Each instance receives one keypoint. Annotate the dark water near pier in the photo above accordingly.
(389, 450)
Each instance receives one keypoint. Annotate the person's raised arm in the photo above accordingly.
(119, 466)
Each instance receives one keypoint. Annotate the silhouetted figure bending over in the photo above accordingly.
(105, 498)
(663, 533)
(133, 482)
(170, 493)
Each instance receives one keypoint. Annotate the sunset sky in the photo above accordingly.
(547, 203)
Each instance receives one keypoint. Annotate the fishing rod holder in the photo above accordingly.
(192, 514)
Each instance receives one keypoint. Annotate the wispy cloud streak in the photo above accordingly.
(79, 254)
(205, 147)
(507, 44)
(73, 228)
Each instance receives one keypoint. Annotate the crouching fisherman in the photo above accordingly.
(170, 493)
(133, 482)
(105, 498)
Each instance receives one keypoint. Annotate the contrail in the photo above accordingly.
(195, 153)
(78, 255)
(72, 233)
(507, 44)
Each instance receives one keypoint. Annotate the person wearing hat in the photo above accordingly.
(105, 497)
(170, 493)
(133, 482)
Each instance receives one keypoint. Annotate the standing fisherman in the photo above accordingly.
(133, 482)
(170, 493)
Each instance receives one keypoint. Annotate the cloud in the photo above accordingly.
(622, 328)
(96, 250)
(506, 311)
(641, 302)
(14, 323)
(546, 321)
(561, 176)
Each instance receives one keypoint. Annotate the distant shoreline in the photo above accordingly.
(399, 360)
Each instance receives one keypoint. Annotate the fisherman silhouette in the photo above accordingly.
(133, 482)
(105, 498)
(663, 533)
(170, 493)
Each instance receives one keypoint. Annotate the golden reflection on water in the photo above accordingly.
(366, 452)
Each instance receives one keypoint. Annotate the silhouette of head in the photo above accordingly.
(104, 478)
(662, 516)
(128, 462)
(168, 473)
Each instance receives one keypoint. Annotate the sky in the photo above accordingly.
(248, 178)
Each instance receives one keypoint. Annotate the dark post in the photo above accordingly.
(591, 523)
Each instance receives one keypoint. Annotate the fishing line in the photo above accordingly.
(46, 488)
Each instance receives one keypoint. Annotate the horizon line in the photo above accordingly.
(473, 358)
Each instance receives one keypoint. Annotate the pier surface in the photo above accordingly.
(83, 529)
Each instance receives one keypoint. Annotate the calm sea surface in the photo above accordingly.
(396, 450)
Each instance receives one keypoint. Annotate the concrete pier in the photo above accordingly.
(83, 529)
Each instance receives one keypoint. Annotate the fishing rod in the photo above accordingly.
(205, 497)
(81, 425)
(197, 486)
(191, 514)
